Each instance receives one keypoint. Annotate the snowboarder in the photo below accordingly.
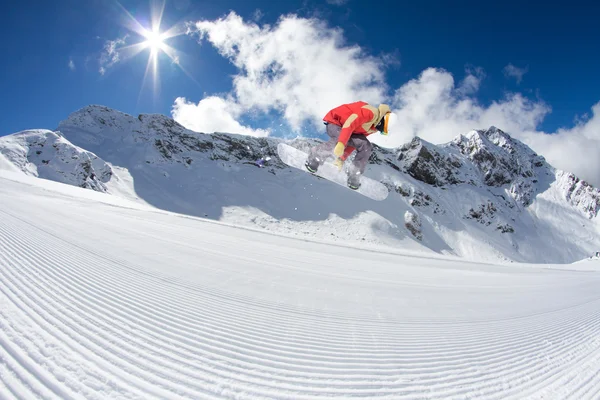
(348, 127)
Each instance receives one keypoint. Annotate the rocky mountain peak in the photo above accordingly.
(49, 155)
(423, 161)
(504, 161)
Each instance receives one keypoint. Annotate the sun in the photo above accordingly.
(154, 41)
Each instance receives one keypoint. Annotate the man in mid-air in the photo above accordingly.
(348, 127)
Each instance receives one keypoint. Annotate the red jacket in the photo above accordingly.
(359, 118)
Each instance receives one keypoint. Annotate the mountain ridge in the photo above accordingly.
(483, 188)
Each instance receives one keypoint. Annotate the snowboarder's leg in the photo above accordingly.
(321, 152)
(364, 148)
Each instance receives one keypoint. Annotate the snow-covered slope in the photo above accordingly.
(48, 155)
(482, 196)
(102, 297)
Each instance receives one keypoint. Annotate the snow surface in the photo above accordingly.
(104, 297)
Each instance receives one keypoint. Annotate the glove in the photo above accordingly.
(339, 149)
(339, 163)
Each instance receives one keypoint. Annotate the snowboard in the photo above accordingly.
(295, 158)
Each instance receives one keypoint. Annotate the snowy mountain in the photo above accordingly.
(46, 154)
(483, 196)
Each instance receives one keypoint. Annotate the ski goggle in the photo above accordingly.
(382, 126)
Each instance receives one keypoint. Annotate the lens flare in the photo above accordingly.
(154, 40)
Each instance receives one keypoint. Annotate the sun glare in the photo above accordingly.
(154, 41)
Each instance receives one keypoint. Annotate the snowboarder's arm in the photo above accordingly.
(349, 126)
(353, 122)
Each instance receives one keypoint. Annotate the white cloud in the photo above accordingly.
(391, 60)
(510, 71)
(257, 15)
(299, 67)
(211, 114)
(433, 108)
(71, 64)
(337, 2)
(574, 150)
(110, 54)
(472, 81)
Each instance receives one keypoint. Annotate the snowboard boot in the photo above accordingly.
(354, 181)
(312, 165)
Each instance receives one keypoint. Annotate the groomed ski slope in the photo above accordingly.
(104, 298)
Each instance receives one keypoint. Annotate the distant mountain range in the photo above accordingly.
(484, 195)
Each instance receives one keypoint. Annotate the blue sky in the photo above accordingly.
(527, 68)
(555, 43)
